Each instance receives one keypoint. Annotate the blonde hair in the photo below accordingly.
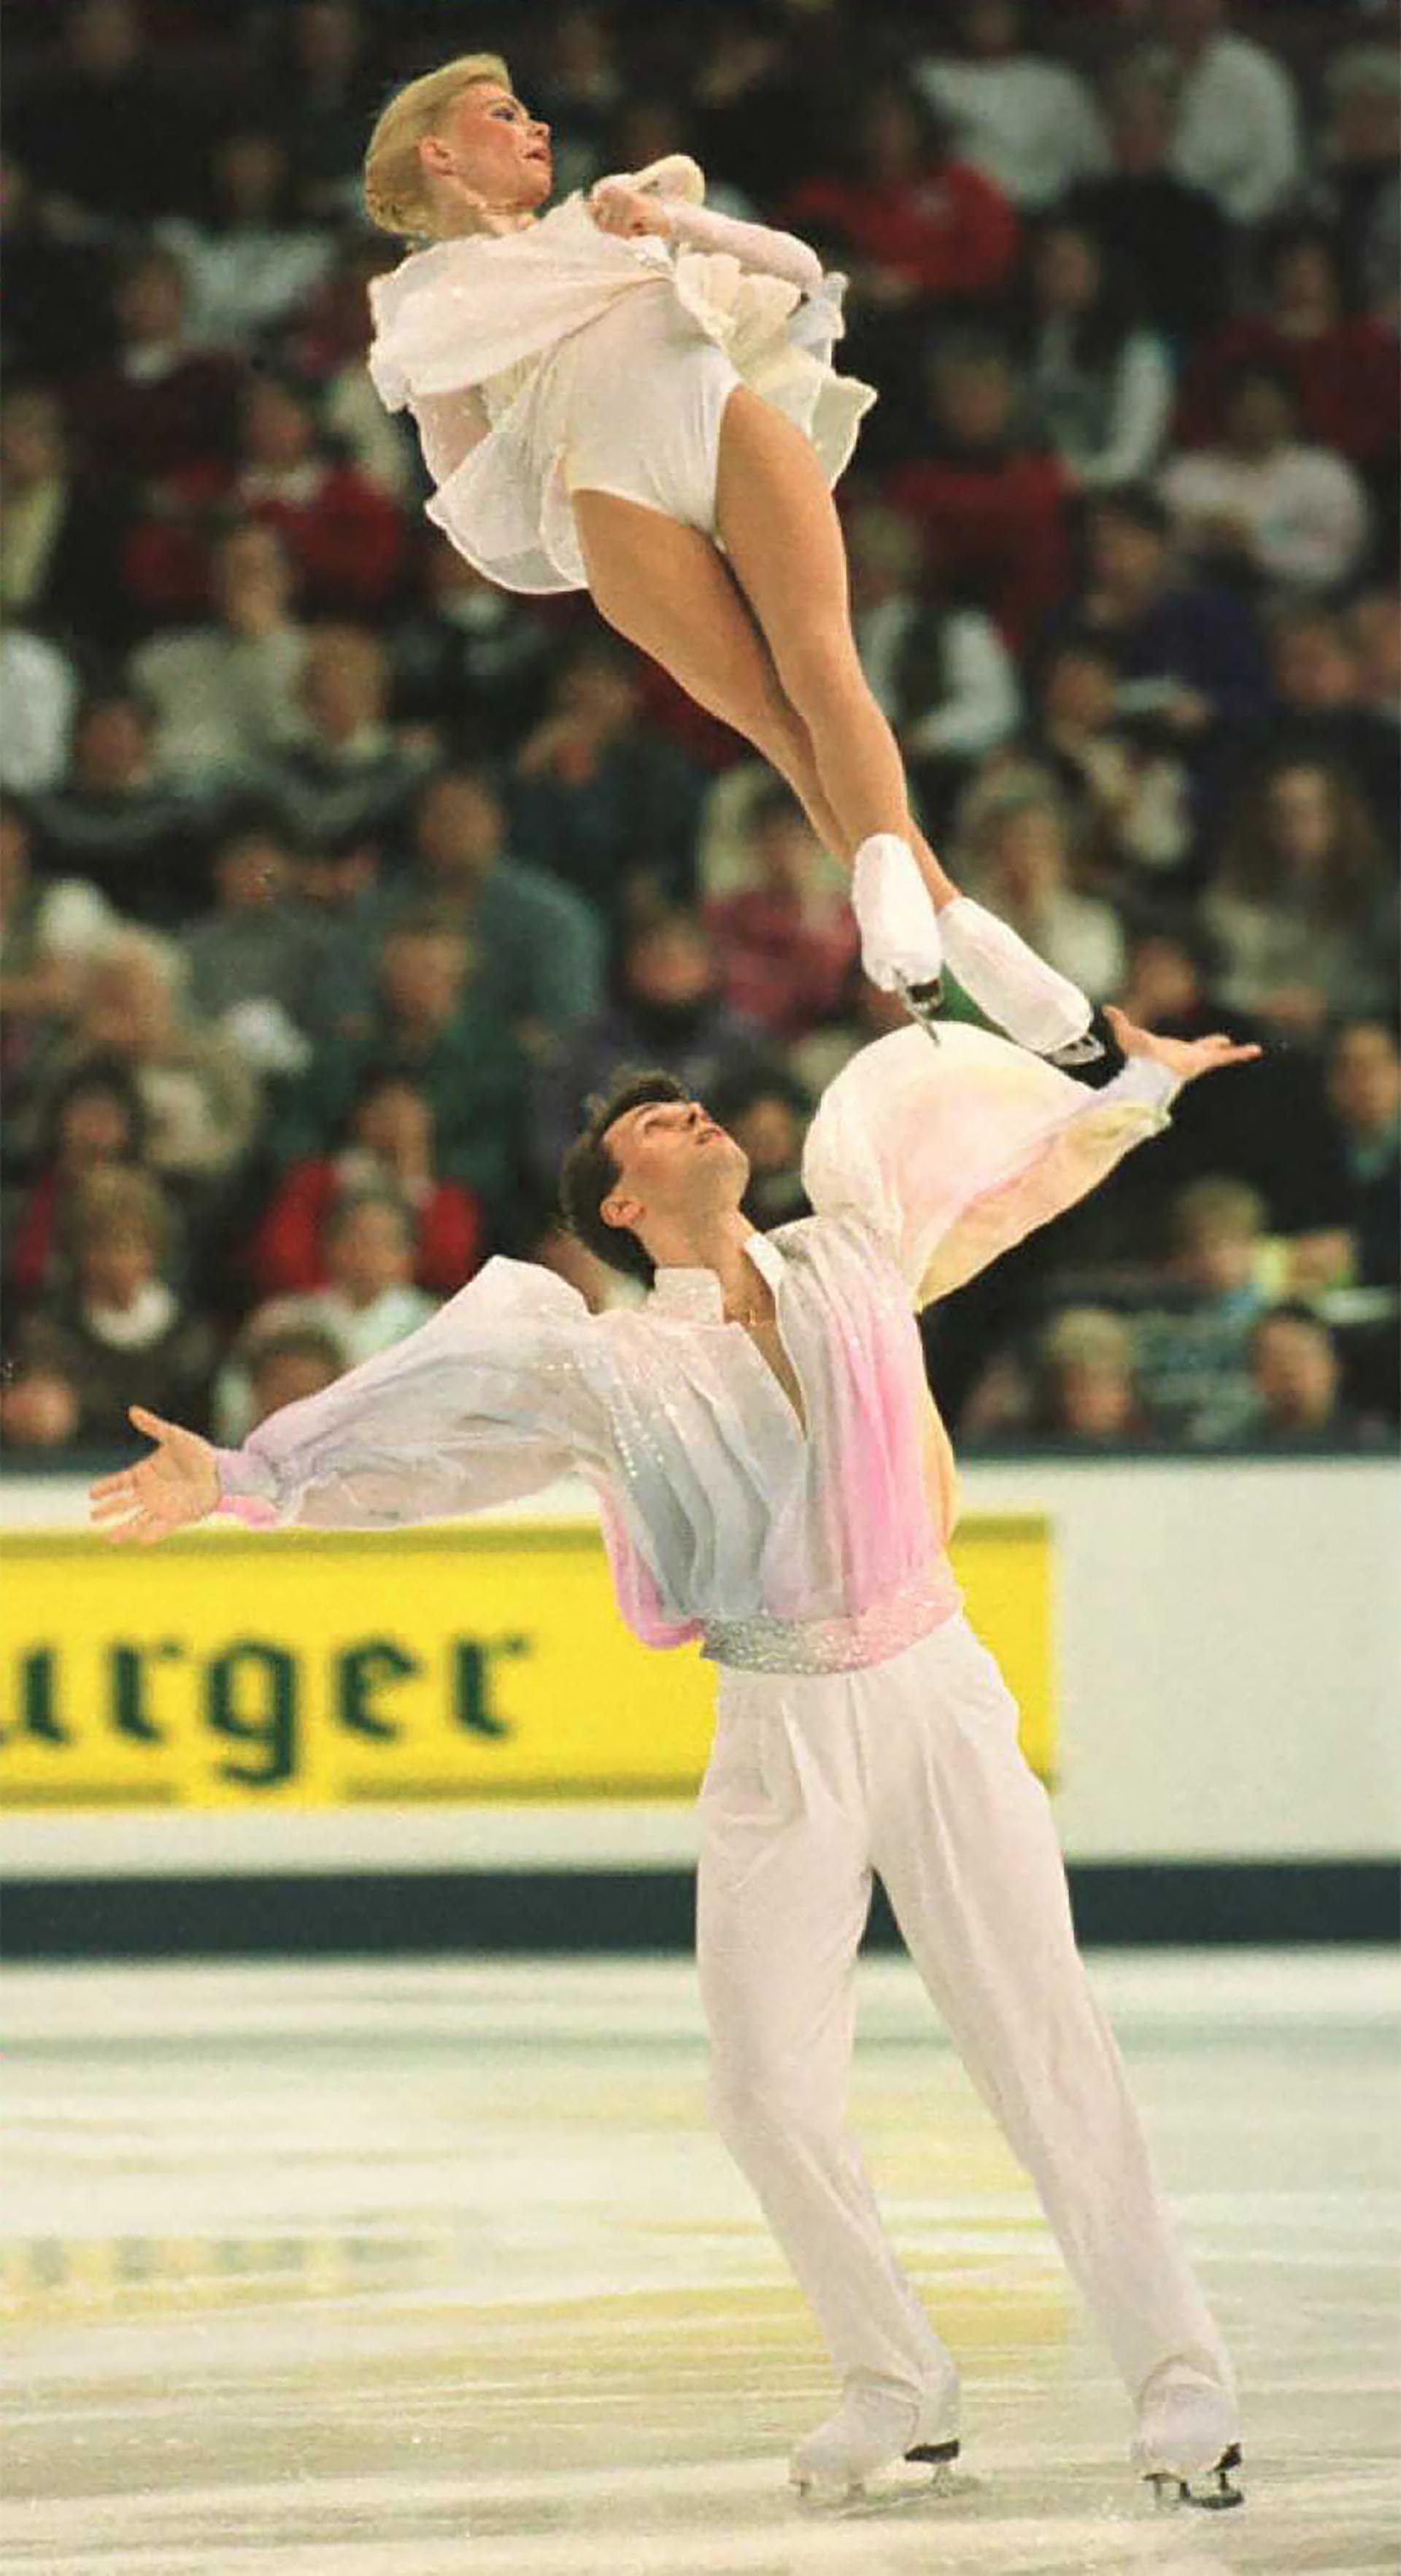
(397, 195)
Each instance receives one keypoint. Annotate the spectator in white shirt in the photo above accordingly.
(1017, 855)
(225, 693)
(249, 263)
(38, 695)
(1100, 389)
(1304, 905)
(1262, 505)
(1030, 125)
(1238, 122)
(943, 676)
(370, 1303)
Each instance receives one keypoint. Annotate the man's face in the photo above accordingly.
(674, 1163)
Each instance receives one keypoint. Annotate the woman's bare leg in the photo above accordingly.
(781, 533)
(666, 589)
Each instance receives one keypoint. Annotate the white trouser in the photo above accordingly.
(912, 1768)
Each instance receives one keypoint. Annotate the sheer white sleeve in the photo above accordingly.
(756, 246)
(953, 1152)
(449, 427)
(486, 1403)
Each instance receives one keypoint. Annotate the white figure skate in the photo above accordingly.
(901, 948)
(1041, 1009)
(878, 2422)
(1186, 2439)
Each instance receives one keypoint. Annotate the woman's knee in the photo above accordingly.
(819, 671)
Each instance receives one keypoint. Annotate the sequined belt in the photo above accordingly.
(842, 1644)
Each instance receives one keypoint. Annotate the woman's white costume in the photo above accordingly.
(560, 358)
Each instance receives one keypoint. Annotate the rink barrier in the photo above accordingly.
(1227, 1764)
(469, 1913)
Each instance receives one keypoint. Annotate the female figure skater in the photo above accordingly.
(634, 395)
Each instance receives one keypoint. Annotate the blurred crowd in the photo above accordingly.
(332, 880)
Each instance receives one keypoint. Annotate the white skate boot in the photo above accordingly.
(901, 947)
(1187, 2429)
(878, 2422)
(1041, 1009)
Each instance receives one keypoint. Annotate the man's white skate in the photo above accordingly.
(1186, 2440)
(878, 2423)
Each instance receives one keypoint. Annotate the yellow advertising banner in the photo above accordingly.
(305, 1669)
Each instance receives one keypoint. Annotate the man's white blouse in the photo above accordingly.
(726, 1515)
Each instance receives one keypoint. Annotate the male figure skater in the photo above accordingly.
(774, 1481)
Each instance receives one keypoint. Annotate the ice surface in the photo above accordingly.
(382, 2271)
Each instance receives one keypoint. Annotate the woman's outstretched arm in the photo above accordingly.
(617, 208)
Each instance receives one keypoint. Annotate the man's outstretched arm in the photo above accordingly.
(953, 1153)
(1186, 1059)
(484, 1404)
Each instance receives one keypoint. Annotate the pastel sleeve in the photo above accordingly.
(486, 1403)
(952, 1152)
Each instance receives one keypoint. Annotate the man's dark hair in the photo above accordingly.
(589, 1173)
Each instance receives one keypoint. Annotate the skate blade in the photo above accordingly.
(855, 2496)
(1171, 2492)
(924, 1002)
(1085, 1050)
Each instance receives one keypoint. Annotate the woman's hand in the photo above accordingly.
(616, 208)
(178, 1484)
(1186, 1057)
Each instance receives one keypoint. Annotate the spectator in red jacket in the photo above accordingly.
(786, 942)
(1343, 366)
(345, 536)
(912, 222)
(992, 506)
(164, 404)
(390, 1146)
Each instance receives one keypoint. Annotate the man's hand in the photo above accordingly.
(178, 1484)
(1186, 1057)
